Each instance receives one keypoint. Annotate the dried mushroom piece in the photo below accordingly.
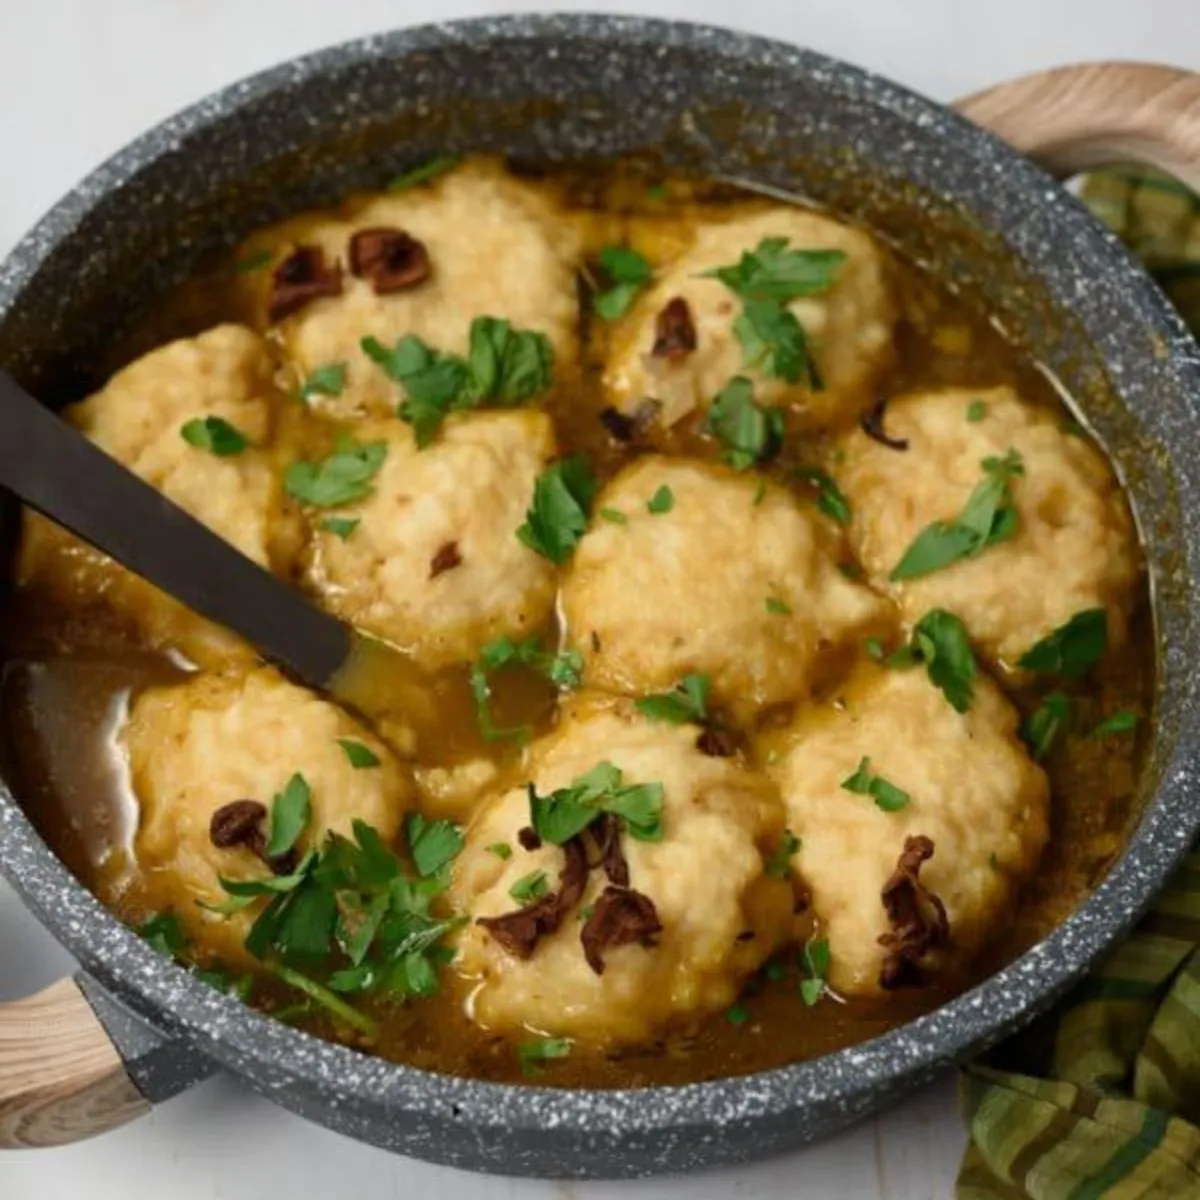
(674, 331)
(872, 426)
(446, 559)
(302, 277)
(238, 824)
(391, 259)
(621, 917)
(918, 918)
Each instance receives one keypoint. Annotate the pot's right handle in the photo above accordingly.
(1073, 119)
(61, 1077)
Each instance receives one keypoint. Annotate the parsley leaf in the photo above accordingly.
(737, 1014)
(864, 782)
(214, 434)
(341, 527)
(434, 383)
(751, 434)
(1123, 721)
(502, 850)
(773, 342)
(329, 380)
(976, 411)
(614, 516)
(1072, 649)
(686, 703)
(564, 670)
(629, 272)
(432, 844)
(342, 478)
(1041, 728)
(532, 1054)
(360, 757)
(875, 649)
(508, 364)
(291, 811)
(558, 517)
(831, 500)
(780, 862)
(778, 607)
(773, 272)
(423, 174)
(816, 962)
(326, 999)
(941, 643)
(568, 811)
(989, 516)
(164, 932)
(530, 887)
(662, 501)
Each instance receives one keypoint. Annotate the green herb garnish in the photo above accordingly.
(564, 670)
(291, 811)
(424, 173)
(360, 757)
(558, 517)
(816, 962)
(662, 501)
(1042, 727)
(737, 1014)
(686, 703)
(989, 517)
(435, 384)
(865, 782)
(164, 932)
(1123, 721)
(779, 607)
(342, 478)
(751, 433)
(530, 887)
(976, 411)
(216, 435)
(614, 516)
(940, 641)
(502, 850)
(629, 272)
(1072, 649)
(831, 500)
(773, 272)
(568, 811)
(432, 844)
(341, 527)
(773, 342)
(329, 380)
(780, 862)
(531, 1055)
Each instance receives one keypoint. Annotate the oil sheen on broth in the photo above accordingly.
(792, 651)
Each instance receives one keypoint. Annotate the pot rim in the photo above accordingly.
(272, 1055)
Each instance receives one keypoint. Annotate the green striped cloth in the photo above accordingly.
(1100, 1100)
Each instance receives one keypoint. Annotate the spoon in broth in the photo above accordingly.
(56, 471)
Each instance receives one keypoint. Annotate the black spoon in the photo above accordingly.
(54, 469)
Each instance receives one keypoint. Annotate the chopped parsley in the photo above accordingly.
(875, 649)
(530, 887)
(773, 272)
(816, 963)
(558, 517)
(779, 607)
(751, 433)
(164, 932)
(737, 1014)
(508, 365)
(341, 527)
(864, 782)
(1123, 721)
(760, 493)
(566, 812)
(291, 811)
(1072, 649)
(423, 174)
(989, 516)
(662, 501)
(940, 641)
(629, 272)
(435, 384)
(686, 703)
(326, 998)
(342, 478)
(779, 864)
(831, 500)
(532, 1054)
(614, 516)
(564, 670)
(359, 756)
(774, 343)
(502, 850)
(1040, 730)
(214, 434)
(432, 844)
(329, 380)
(976, 411)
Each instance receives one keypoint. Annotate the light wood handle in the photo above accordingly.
(1073, 119)
(61, 1078)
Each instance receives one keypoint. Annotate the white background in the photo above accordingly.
(82, 77)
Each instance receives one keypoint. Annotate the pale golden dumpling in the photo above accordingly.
(198, 746)
(973, 791)
(1074, 547)
(737, 581)
(137, 418)
(495, 247)
(848, 328)
(435, 564)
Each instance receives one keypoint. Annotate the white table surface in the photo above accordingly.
(82, 77)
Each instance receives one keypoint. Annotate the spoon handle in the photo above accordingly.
(54, 469)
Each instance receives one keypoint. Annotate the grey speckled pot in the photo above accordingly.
(565, 88)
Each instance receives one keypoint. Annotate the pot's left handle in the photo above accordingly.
(62, 1078)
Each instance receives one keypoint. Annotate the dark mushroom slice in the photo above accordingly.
(917, 916)
(391, 259)
(621, 917)
(674, 331)
(302, 277)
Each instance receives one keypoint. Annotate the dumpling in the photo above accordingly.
(434, 564)
(1073, 548)
(699, 912)
(848, 328)
(137, 418)
(969, 833)
(740, 587)
(494, 246)
(196, 747)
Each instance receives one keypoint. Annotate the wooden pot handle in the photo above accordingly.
(61, 1078)
(1076, 118)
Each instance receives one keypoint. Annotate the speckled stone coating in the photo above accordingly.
(570, 87)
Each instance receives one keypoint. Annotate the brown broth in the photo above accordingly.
(70, 666)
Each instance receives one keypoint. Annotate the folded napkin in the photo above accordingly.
(1100, 1100)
